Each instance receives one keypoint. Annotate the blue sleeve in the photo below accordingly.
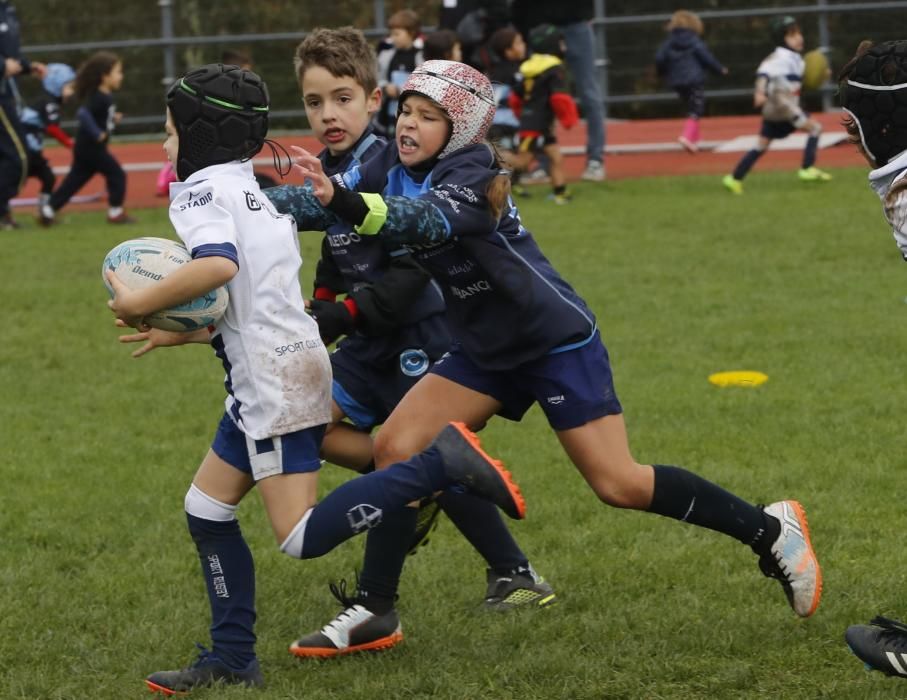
(299, 202)
(415, 222)
(661, 58)
(705, 57)
(87, 123)
(219, 250)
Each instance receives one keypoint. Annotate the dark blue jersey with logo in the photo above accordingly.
(506, 303)
(396, 298)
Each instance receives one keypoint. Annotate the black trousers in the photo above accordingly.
(39, 167)
(13, 157)
(86, 164)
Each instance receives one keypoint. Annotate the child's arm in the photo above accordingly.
(194, 279)
(61, 136)
(760, 95)
(87, 122)
(706, 59)
(561, 102)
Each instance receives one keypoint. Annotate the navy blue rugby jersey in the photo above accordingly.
(366, 146)
(506, 303)
(96, 116)
(395, 297)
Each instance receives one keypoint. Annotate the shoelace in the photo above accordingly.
(338, 590)
(204, 655)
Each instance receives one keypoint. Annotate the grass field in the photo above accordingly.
(100, 583)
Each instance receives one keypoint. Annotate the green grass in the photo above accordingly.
(99, 578)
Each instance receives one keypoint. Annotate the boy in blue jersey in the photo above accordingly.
(522, 334)
(278, 376)
(778, 80)
(873, 90)
(392, 327)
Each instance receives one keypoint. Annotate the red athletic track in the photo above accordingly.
(655, 152)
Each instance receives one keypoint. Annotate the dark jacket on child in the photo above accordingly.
(683, 59)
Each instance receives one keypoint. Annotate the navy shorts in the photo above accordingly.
(368, 393)
(293, 453)
(776, 130)
(573, 387)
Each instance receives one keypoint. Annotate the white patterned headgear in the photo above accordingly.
(462, 92)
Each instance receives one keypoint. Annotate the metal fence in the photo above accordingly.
(626, 46)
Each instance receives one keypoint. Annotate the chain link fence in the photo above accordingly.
(160, 39)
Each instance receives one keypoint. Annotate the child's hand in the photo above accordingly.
(125, 303)
(117, 117)
(724, 71)
(310, 168)
(759, 99)
(11, 67)
(103, 137)
(156, 338)
(38, 69)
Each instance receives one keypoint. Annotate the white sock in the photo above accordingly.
(114, 212)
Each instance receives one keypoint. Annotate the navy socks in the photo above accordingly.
(230, 579)
(746, 163)
(481, 524)
(362, 503)
(809, 152)
(682, 495)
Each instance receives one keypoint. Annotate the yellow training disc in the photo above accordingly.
(746, 378)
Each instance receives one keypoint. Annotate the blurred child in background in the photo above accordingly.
(778, 81)
(539, 97)
(43, 117)
(508, 51)
(96, 81)
(683, 60)
(873, 88)
(442, 45)
(395, 63)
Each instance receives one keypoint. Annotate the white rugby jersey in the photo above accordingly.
(784, 69)
(893, 204)
(278, 371)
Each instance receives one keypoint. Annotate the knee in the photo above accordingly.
(625, 487)
(293, 544)
(392, 447)
(206, 516)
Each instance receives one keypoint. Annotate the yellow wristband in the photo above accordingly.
(377, 214)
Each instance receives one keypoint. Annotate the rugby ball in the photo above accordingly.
(815, 70)
(141, 262)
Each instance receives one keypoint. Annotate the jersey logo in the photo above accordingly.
(414, 362)
(252, 202)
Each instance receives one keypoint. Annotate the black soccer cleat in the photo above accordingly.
(880, 645)
(521, 588)
(208, 670)
(466, 463)
(354, 629)
(426, 524)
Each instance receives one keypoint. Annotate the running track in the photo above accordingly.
(634, 149)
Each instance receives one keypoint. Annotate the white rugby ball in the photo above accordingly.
(141, 262)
